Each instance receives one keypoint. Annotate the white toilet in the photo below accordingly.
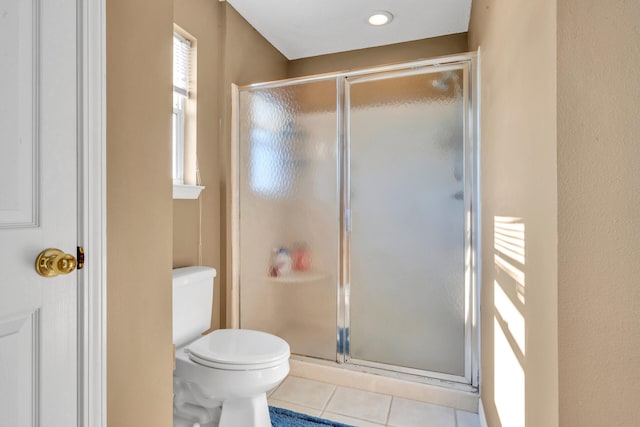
(221, 378)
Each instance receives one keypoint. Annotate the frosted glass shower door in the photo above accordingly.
(408, 203)
(289, 202)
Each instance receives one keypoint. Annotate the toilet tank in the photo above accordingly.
(192, 302)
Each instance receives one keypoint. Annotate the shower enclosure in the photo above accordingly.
(355, 216)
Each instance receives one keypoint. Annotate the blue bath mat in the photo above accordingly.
(286, 418)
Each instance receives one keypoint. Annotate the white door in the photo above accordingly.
(38, 210)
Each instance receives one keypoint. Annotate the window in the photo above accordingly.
(181, 77)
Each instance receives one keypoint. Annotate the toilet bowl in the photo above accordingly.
(221, 379)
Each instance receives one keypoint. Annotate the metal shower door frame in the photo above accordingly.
(468, 63)
(470, 241)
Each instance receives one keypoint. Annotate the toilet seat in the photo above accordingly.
(239, 349)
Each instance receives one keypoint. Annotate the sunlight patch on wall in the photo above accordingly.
(509, 237)
(509, 256)
(510, 316)
(515, 273)
(509, 324)
(508, 382)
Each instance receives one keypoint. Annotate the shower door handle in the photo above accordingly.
(347, 220)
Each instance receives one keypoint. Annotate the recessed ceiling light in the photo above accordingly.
(381, 17)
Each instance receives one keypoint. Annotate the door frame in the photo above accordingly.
(92, 211)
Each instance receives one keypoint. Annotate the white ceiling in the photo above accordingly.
(303, 28)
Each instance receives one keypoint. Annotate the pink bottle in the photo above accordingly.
(301, 257)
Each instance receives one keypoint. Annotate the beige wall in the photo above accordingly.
(200, 18)
(248, 57)
(362, 58)
(229, 51)
(139, 342)
(599, 204)
(140, 206)
(517, 39)
(587, 53)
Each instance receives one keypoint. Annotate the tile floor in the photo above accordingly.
(363, 408)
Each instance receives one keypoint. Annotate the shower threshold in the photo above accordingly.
(386, 381)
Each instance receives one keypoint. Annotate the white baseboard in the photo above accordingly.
(481, 414)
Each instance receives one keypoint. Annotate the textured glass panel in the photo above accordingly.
(289, 198)
(408, 215)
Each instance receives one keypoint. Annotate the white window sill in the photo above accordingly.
(186, 191)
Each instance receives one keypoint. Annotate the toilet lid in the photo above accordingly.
(239, 349)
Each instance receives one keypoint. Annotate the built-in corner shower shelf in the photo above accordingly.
(299, 277)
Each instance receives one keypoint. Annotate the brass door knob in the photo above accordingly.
(52, 262)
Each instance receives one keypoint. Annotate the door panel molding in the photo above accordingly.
(19, 106)
(20, 353)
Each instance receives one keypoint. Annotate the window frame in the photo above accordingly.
(181, 96)
(178, 134)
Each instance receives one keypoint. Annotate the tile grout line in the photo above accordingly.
(277, 387)
(322, 414)
(324, 408)
(386, 421)
(298, 404)
(335, 387)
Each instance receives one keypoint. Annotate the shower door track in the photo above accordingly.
(466, 61)
(393, 371)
